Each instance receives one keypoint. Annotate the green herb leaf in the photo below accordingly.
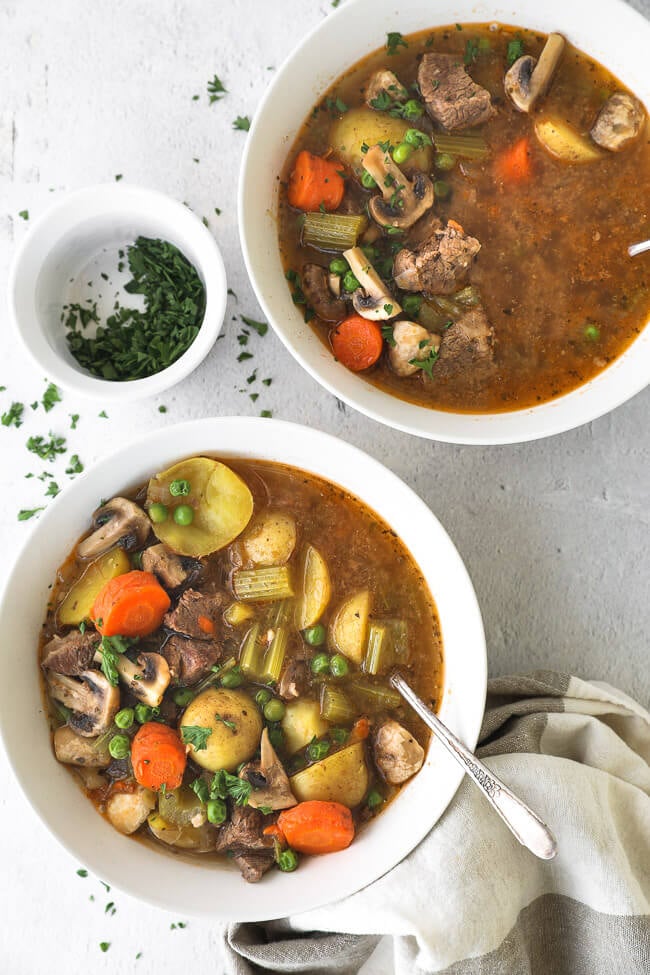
(52, 489)
(51, 396)
(242, 123)
(216, 90)
(226, 722)
(426, 364)
(74, 419)
(471, 51)
(196, 736)
(394, 41)
(13, 416)
(260, 327)
(24, 214)
(387, 333)
(47, 449)
(82, 873)
(76, 467)
(104, 945)
(514, 51)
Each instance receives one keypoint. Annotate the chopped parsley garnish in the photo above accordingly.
(111, 647)
(47, 449)
(76, 467)
(394, 41)
(14, 415)
(82, 873)
(267, 382)
(514, 51)
(118, 177)
(196, 736)
(243, 356)
(103, 415)
(229, 724)
(387, 333)
(110, 907)
(224, 785)
(216, 90)
(267, 414)
(74, 419)
(388, 309)
(104, 945)
(426, 364)
(51, 396)
(335, 105)
(52, 490)
(24, 214)
(471, 51)
(162, 409)
(242, 123)
(260, 327)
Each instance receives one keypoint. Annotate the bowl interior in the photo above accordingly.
(618, 38)
(215, 889)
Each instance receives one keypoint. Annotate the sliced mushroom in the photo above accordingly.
(73, 749)
(384, 82)
(618, 122)
(118, 522)
(334, 284)
(412, 344)
(91, 698)
(529, 78)
(270, 782)
(372, 300)
(397, 754)
(315, 285)
(402, 201)
(127, 811)
(147, 679)
(171, 569)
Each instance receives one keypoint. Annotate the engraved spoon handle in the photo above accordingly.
(520, 820)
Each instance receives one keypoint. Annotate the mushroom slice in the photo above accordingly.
(273, 790)
(91, 698)
(127, 811)
(618, 122)
(384, 82)
(529, 79)
(371, 300)
(147, 679)
(403, 201)
(397, 754)
(73, 749)
(412, 345)
(118, 522)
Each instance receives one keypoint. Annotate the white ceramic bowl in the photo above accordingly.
(211, 888)
(617, 36)
(79, 238)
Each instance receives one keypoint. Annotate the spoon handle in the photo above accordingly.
(520, 820)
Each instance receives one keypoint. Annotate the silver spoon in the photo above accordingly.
(520, 820)
(639, 248)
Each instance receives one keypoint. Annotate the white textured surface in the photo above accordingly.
(555, 534)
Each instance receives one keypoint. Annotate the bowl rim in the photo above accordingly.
(168, 445)
(591, 400)
(102, 199)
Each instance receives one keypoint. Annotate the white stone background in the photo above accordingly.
(554, 533)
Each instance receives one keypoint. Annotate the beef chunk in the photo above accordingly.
(467, 348)
(166, 565)
(450, 95)
(70, 654)
(316, 287)
(438, 265)
(243, 837)
(195, 612)
(294, 680)
(253, 866)
(190, 660)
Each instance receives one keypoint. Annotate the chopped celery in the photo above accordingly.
(387, 646)
(399, 632)
(237, 613)
(468, 297)
(469, 146)
(446, 306)
(431, 318)
(275, 655)
(252, 653)
(263, 585)
(333, 231)
(374, 697)
(278, 614)
(335, 706)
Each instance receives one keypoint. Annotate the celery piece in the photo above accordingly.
(237, 613)
(251, 653)
(374, 697)
(275, 655)
(379, 652)
(278, 614)
(468, 297)
(432, 318)
(333, 231)
(469, 146)
(263, 585)
(399, 633)
(335, 706)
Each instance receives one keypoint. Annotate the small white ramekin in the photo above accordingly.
(61, 243)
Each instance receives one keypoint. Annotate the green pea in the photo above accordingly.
(444, 161)
(183, 696)
(158, 512)
(232, 678)
(412, 304)
(350, 283)
(317, 750)
(274, 709)
(180, 488)
(412, 109)
(368, 181)
(416, 138)
(314, 635)
(339, 266)
(374, 799)
(263, 697)
(125, 718)
(144, 713)
(287, 860)
(216, 812)
(442, 189)
(119, 746)
(339, 665)
(320, 664)
(402, 152)
(592, 332)
(184, 514)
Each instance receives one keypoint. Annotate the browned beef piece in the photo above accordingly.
(70, 654)
(166, 565)
(319, 297)
(253, 866)
(450, 95)
(243, 837)
(193, 606)
(190, 660)
(467, 348)
(294, 680)
(438, 265)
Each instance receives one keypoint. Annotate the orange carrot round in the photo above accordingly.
(315, 183)
(317, 827)
(158, 757)
(514, 165)
(357, 343)
(132, 604)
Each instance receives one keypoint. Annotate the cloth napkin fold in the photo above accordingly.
(469, 900)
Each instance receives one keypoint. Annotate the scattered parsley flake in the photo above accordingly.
(254, 396)
(216, 90)
(267, 382)
(267, 414)
(13, 416)
(26, 513)
(242, 123)
(218, 213)
(196, 736)
(394, 41)
(229, 724)
(104, 945)
(260, 327)
(243, 356)
(24, 214)
(76, 467)
(47, 449)
(52, 490)
(51, 396)
(82, 873)
(162, 409)
(514, 51)
(103, 415)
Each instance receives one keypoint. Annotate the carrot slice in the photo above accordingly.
(317, 827)
(357, 343)
(360, 729)
(315, 183)
(158, 756)
(132, 604)
(514, 165)
(205, 624)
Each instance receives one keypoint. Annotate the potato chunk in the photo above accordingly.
(270, 539)
(235, 725)
(341, 777)
(365, 126)
(349, 628)
(302, 721)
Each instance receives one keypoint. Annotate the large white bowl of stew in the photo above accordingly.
(206, 654)
(505, 306)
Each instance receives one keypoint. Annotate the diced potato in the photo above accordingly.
(270, 539)
(316, 589)
(349, 628)
(341, 777)
(237, 613)
(365, 126)
(201, 840)
(78, 602)
(564, 142)
(302, 721)
(127, 811)
(235, 726)
(222, 504)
